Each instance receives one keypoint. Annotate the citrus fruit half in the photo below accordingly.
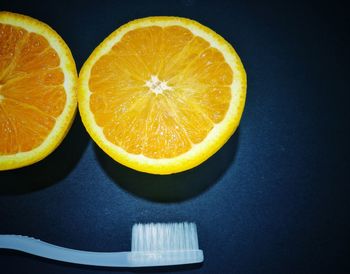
(162, 94)
(37, 90)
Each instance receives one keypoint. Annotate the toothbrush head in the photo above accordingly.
(164, 236)
(165, 244)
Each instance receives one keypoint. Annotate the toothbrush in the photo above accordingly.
(153, 244)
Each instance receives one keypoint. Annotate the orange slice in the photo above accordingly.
(162, 94)
(37, 90)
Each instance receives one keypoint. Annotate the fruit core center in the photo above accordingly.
(157, 86)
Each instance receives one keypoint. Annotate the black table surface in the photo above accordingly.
(274, 199)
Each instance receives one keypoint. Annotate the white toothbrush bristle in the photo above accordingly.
(164, 237)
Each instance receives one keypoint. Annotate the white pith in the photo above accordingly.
(157, 86)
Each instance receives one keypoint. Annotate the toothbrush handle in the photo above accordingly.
(39, 248)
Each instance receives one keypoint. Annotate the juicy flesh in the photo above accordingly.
(159, 91)
(31, 89)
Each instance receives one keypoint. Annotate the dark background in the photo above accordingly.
(274, 199)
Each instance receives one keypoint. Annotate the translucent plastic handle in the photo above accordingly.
(46, 250)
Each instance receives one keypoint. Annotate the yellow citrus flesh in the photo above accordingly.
(162, 94)
(37, 90)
